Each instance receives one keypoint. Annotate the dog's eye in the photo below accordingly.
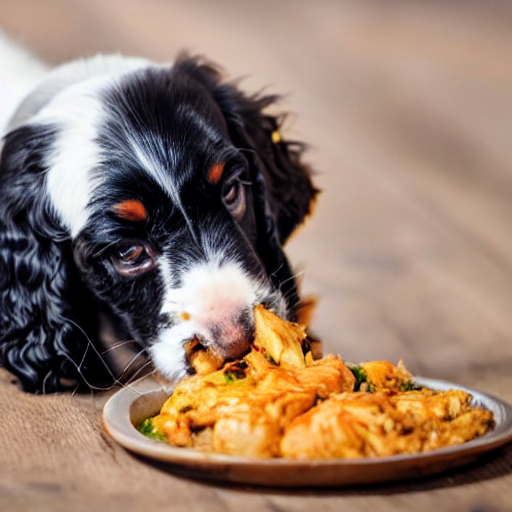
(234, 197)
(133, 259)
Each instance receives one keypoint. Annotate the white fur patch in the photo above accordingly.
(75, 153)
(168, 354)
(76, 109)
(211, 291)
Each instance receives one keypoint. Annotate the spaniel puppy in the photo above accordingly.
(157, 196)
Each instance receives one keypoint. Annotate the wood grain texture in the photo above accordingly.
(407, 107)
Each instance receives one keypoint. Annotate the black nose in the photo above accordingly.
(233, 336)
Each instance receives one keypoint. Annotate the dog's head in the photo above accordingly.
(160, 195)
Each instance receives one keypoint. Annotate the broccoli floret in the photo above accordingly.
(409, 386)
(147, 428)
(361, 378)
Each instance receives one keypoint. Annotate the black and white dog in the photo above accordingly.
(157, 195)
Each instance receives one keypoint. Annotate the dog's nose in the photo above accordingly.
(232, 336)
(226, 329)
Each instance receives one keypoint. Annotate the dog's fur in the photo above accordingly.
(157, 195)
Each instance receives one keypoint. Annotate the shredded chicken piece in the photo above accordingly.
(353, 425)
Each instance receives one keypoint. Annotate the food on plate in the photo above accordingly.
(379, 424)
(203, 361)
(278, 401)
(244, 407)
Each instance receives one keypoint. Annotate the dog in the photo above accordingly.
(156, 196)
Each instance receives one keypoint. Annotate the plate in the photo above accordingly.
(132, 404)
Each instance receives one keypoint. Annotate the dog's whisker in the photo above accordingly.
(89, 385)
(131, 362)
(133, 378)
(78, 367)
(133, 383)
(75, 390)
(288, 294)
(274, 274)
(293, 277)
(118, 345)
(90, 344)
(47, 376)
(106, 248)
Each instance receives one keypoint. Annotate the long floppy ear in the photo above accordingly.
(289, 189)
(46, 315)
(287, 180)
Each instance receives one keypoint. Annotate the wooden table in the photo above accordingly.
(407, 106)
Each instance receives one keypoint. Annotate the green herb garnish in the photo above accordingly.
(230, 377)
(147, 428)
(360, 375)
(235, 371)
(409, 386)
(362, 383)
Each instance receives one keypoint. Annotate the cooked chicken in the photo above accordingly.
(281, 341)
(247, 404)
(278, 402)
(352, 425)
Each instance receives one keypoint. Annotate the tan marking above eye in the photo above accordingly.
(215, 173)
(132, 210)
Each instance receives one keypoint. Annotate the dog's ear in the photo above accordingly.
(287, 179)
(289, 189)
(42, 301)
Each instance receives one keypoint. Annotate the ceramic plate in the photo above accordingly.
(131, 405)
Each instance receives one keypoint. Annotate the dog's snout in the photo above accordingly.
(215, 305)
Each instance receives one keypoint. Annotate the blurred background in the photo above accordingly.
(407, 108)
